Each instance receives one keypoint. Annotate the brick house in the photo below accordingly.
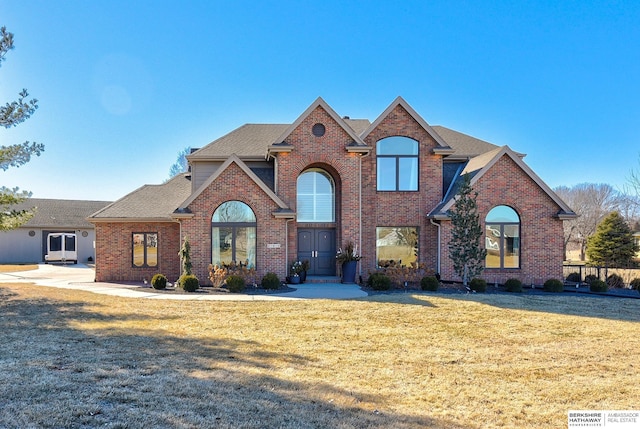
(270, 194)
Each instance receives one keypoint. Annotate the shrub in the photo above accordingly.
(553, 285)
(399, 274)
(219, 273)
(615, 281)
(598, 286)
(591, 277)
(189, 283)
(429, 283)
(235, 283)
(573, 277)
(478, 285)
(159, 281)
(635, 284)
(379, 281)
(270, 281)
(513, 285)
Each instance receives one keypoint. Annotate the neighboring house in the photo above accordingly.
(28, 242)
(636, 239)
(269, 194)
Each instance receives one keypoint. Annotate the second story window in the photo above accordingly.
(397, 160)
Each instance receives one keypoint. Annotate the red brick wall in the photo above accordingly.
(505, 183)
(329, 153)
(541, 234)
(402, 208)
(114, 247)
(234, 184)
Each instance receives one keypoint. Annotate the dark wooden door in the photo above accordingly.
(317, 245)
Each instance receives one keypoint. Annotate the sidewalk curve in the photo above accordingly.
(81, 277)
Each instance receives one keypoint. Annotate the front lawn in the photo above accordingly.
(12, 268)
(75, 359)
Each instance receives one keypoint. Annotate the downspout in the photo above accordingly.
(286, 246)
(439, 245)
(181, 241)
(360, 209)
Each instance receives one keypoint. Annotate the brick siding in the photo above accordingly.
(541, 233)
(505, 184)
(114, 251)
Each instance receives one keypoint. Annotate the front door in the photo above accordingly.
(317, 245)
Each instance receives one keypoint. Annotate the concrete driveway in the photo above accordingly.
(81, 277)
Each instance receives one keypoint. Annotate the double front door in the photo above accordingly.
(318, 246)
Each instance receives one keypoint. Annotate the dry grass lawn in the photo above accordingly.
(78, 360)
(15, 268)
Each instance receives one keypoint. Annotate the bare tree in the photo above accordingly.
(181, 165)
(592, 202)
(631, 190)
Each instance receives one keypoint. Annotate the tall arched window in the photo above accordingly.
(502, 238)
(315, 197)
(233, 234)
(397, 159)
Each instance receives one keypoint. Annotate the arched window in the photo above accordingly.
(315, 197)
(397, 159)
(233, 234)
(502, 238)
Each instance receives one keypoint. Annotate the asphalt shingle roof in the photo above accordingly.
(149, 201)
(253, 140)
(51, 213)
(464, 145)
(248, 141)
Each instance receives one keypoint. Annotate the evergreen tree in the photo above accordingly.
(185, 257)
(612, 245)
(12, 114)
(464, 248)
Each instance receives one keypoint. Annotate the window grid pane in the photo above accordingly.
(315, 197)
(397, 164)
(233, 234)
(502, 238)
(396, 245)
(144, 249)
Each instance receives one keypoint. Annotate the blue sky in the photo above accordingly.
(123, 86)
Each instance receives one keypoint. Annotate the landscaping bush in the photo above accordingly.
(478, 285)
(379, 281)
(573, 277)
(615, 281)
(429, 283)
(270, 281)
(159, 281)
(635, 284)
(591, 277)
(598, 286)
(189, 283)
(513, 285)
(553, 285)
(235, 283)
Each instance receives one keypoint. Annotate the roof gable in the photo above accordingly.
(443, 147)
(478, 166)
(319, 102)
(233, 159)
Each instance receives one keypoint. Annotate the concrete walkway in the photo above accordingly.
(81, 277)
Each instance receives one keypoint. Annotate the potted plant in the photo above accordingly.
(348, 258)
(305, 267)
(295, 270)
